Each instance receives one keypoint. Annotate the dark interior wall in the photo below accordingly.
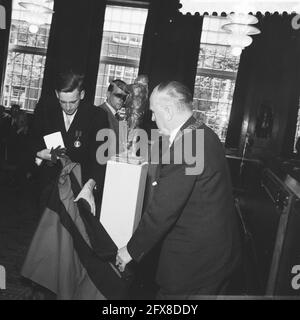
(270, 78)
(75, 41)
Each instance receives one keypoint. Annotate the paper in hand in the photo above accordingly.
(54, 140)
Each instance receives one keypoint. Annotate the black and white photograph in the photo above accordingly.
(149, 151)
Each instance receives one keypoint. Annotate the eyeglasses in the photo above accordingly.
(120, 96)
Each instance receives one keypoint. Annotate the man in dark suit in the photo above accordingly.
(191, 212)
(78, 121)
(115, 98)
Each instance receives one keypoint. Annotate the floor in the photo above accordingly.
(18, 220)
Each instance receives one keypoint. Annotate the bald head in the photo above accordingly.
(178, 93)
(171, 104)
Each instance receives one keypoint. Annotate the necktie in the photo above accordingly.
(68, 123)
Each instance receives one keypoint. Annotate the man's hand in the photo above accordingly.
(44, 154)
(86, 193)
(121, 114)
(123, 258)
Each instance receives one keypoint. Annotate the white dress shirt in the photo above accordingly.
(68, 119)
(173, 135)
(113, 111)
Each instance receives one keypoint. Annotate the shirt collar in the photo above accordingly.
(173, 135)
(113, 111)
(70, 118)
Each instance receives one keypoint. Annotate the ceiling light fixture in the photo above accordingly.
(35, 14)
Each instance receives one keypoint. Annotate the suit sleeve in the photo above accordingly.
(170, 197)
(36, 131)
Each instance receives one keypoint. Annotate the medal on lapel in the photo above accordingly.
(77, 142)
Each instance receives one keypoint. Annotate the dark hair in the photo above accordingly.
(22, 118)
(119, 83)
(15, 106)
(177, 91)
(69, 80)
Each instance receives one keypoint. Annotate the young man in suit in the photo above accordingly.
(78, 121)
(191, 213)
(115, 97)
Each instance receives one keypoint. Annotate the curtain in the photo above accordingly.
(170, 49)
(248, 59)
(268, 77)
(171, 44)
(4, 34)
(75, 41)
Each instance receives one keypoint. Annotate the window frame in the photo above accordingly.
(212, 73)
(117, 60)
(22, 49)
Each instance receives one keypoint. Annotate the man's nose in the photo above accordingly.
(68, 105)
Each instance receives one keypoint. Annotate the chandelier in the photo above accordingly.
(239, 28)
(35, 13)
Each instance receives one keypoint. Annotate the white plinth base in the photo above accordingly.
(122, 200)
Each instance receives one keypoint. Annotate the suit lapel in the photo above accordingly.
(76, 121)
(58, 118)
(56, 121)
(192, 123)
(112, 119)
(70, 135)
(188, 124)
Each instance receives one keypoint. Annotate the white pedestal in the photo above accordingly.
(122, 200)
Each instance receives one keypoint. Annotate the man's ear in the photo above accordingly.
(82, 94)
(168, 112)
(57, 95)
